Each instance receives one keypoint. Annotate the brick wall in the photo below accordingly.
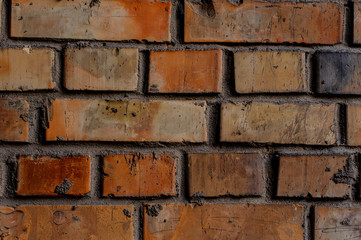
(195, 119)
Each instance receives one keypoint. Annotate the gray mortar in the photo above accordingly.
(37, 120)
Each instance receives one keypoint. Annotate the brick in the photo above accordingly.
(315, 176)
(185, 71)
(53, 176)
(353, 125)
(101, 69)
(139, 175)
(223, 221)
(133, 120)
(26, 69)
(288, 123)
(337, 223)
(263, 22)
(337, 73)
(270, 71)
(88, 19)
(67, 222)
(357, 23)
(14, 126)
(217, 174)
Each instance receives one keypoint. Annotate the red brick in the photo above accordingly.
(216, 174)
(101, 120)
(270, 71)
(317, 176)
(223, 221)
(14, 126)
(357, 23)
(353, 125)
(67, 222)
(337, 223)
(286, 123)
(52, 176)
(26, 69)
(79, 19)
(139, 175)
(262, 22)
(101, 69)
(185, 71)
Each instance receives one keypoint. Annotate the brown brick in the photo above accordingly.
(286, 123)
(318, 176)
(101, 69)
(357, 23)
(337, 223)
(217, 174)
(270, 71)
(353, 125)
(26, 69)
(101, 120)
(13, 124)
(217, 221)
(67, 222)
(262, 22)
(139, 175)
(53, 176)
(185, 71)
(85, 19)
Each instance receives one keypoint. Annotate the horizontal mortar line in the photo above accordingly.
(280, 98)
(99, 148)
(198, 201)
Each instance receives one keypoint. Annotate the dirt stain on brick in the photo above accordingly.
(154, 210)
(64, 187)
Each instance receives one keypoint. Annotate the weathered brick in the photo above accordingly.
(185, 71)
(337, 73)
(337, 223)
(353, 125)
(357, 22)
(67, 222)
(288, 123)
(139, 175)
(221, 221)
(101, 69)
(14, 126)
(89, 19)
(26, 69)
(101, 120)
(217, 174)
(53, 176)
(270, 71)
(220, 21)
(317, 176)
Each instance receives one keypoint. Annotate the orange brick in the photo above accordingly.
(139, 175)
(270, 71)
(286, 123)
(13, 124)
(337, 223)
(26, 69)
(185, 71)
(223, 221)
(262, 22)
(216, 174)
(77, 19)
(51, 176)
(101, 69)
(67, 222)
(357, 23)
(353, 125)
(101, 120)
(318, 176)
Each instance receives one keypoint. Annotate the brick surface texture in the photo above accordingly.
(180, 119)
